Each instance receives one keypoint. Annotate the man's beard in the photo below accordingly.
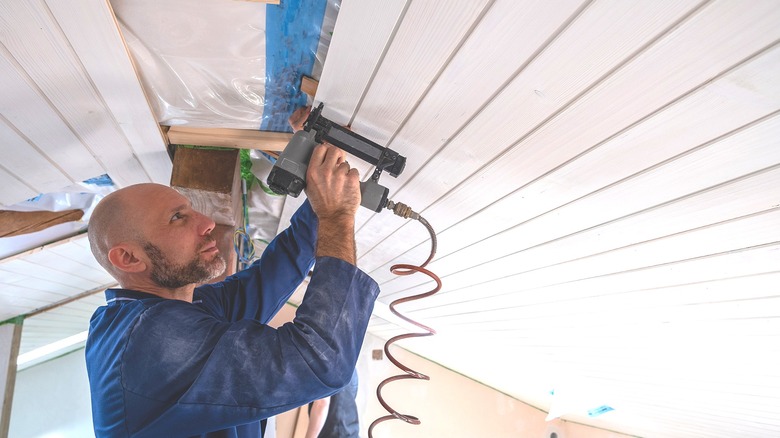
(173, 276)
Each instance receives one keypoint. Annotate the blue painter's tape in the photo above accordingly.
(292, 31)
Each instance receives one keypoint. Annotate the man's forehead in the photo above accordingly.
(172, 201)
(159, 199)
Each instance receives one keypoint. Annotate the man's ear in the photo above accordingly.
(124, 257)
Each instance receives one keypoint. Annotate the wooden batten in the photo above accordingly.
(309, 86)
(229, 138)
(15, 223)
(10, 338)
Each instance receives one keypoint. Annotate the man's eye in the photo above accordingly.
(176, 216)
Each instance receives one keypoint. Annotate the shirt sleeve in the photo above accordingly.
(187, 372)
(259, 291)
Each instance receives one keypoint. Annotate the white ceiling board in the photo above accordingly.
(25, 108)
(747, 94)
(530, 159)
(22, 159)
(71, 96)
(679, 215)
(603, 176)
(740, 154)
(13, 189)
(421, 47)
(506, 98)
(750, 261)
(48, 58)
(64, 264)
(353, 60)
(103, 54)
(518, 109)
(47, 275)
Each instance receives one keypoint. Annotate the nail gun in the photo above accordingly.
(288, 176)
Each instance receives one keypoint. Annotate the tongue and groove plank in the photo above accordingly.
(725, 105)
(623, 98)
(74, 94)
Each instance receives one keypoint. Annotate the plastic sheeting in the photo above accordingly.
(226, 63)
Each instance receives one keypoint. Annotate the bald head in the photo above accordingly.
(115, 220)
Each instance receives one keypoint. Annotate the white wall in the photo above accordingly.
(51, 400)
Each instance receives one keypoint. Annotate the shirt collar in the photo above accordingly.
(113, 295)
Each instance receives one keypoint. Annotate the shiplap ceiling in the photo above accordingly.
(603, 176)
(55, 273)
(71, 105)
(605, 180)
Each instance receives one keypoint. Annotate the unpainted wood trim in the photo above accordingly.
(70, 299)
(309, 85)
(15, 223)
(9, 374)
(229, 137)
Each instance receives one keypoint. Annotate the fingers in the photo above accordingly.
(333, 187)
(327, 155)
(318, 155)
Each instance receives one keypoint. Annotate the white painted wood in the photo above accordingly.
(517, 110)
(747, 94)
(78, 253)
(699, 210)
(32, 270)
(625, 310)
(49, 60)
(28, 112)
(59, 264)
(613, 105)
(509, 290)
(420, 49)
(740, 154)
(27, 163)
(29, 298)
(362, 31)
(12, 189)
(104, 56)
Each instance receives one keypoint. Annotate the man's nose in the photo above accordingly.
(206, 225)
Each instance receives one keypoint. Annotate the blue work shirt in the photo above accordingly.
(212, 368)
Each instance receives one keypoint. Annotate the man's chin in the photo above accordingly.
(217, 266)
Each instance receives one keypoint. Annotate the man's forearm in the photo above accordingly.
(336, 238)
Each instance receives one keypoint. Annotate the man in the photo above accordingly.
(168, 359)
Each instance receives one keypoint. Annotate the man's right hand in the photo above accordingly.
(333, 189)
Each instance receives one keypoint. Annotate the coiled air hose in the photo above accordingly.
(406, 269)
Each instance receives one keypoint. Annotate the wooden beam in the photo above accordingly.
(309, 85)
(70, 299)
(15, 223)
(10, 338)
(230, 138)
